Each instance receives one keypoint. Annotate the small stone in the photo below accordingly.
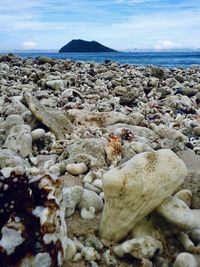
(88, 214)
(90, 199)
(140, 247)
(37, 134)
(196, 130)
(71, 249)
(71, 196)
(76, 168)
(90, 254)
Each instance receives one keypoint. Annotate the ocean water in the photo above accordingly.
(163, 59)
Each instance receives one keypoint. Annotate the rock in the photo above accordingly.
(90, 254)
(192, 181)
(177, 213)
(71, 196)
(76, 168)
(71, 249)
(129, 97)
(90, 199)
(109, 259)
(189, 91)
(87, 147)
(88, 214)
(135, 188)
(185, 196)
(44, 60)
(37, 134)
(120, 90)
(93, 241)
(9, 158)
(185, 260)
(11, 121)
(56, 121)
(179, 78)
(196, 131)
(57, 85)
(157, 72)
(19, 140)
(198, 97)
(140, 247)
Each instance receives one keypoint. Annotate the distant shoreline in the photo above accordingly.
(161, 59)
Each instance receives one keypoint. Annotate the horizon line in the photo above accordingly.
(128, 50)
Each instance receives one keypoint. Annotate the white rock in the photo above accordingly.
(71, 249)
(77, 257)
(98, 183)
(88, 214)
(90, 199)
(76, 168)
(92, 188)
(89, 177)
(71, 196)
(185, 260)
(137, 187)
(38, 134)
(140, 247)
(90, 254)
(19, 141)
(176, 212)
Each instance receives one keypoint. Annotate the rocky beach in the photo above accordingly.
(99, 164)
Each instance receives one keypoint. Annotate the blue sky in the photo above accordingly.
(120, 24)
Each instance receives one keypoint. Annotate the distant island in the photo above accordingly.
(83, 46)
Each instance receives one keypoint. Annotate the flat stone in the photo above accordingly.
(55, 120)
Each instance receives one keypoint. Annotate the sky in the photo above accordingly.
(160, 25)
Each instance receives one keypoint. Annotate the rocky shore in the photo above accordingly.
(99, 164)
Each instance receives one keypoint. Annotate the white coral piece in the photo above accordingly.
(137, 187)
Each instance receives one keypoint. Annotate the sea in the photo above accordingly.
(162, 59)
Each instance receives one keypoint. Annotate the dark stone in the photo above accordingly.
(157, 72)
(82, 46)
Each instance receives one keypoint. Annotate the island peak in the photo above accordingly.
(82, 46)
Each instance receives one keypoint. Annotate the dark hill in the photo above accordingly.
(82, 46)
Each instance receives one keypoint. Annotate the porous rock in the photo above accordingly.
(135, 188)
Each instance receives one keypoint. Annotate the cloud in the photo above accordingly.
(28, 45)
(166, 45)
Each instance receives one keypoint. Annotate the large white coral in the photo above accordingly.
(135, 188)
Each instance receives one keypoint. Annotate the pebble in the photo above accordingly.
(76, 168)
(88, 214)
(37, 134)
(90, 199)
